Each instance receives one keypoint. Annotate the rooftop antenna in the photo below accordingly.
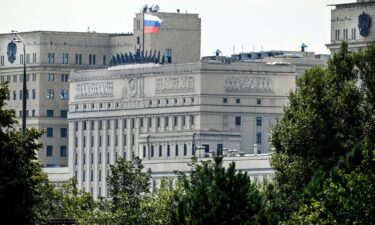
(88, 29)
(303, 47)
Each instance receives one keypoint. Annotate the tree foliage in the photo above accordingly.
(18, 167)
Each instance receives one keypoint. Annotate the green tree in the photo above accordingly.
(18, 168)
(127, 186)
(216, 195)
(322, 122)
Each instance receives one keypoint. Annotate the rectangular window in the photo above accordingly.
(21, 94)
(138, 40)
(15, 78)
(63, 132)
(51, 57)
(34, 94)
(158, 122)
(21, 58)
(259, 121)
(28, 58)
(149, 122)
(79, 59)
(14, 95)
(49, 132)
(337, 35)
(34, 57)
(238, 120)
(64, 94)
(225, 100)
(168, 55)
(259, 101)
(160, 151)
(185, 149)
(175, 121)
(259, 138)
(345, 33)
(144, 151)
(92, 59)
(152, 151)
(104, 60)
(2, 61)
(62, 151)
(49, 113)
(63, 113)
(168, 150)
(51, 77)
(33, 113)
(100, 159)
(50, 93)
(64, 58)
(125, 140)
(176, 150)
(238, 100)
(183, 120)
(49, 150)
(132, 139)
(354, 34)
(64, 77)
(34, 77)
(192, 118)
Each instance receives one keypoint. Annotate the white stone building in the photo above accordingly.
(160, 112)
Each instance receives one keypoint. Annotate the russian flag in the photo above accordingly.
(151, 24)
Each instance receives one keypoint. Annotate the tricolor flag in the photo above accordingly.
(151, 24)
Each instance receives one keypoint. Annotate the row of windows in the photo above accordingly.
(49, 113)
(64, 94)
(238, 100)
(101, 141)
(143, 122)
(64, 59)
(50, 77)
(63, 132)
(50, 152)
(64, 77)
(238, 120)
(345, 34)
(160, 151)
(28, 59)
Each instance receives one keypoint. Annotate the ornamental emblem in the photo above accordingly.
(12, 50)
(364, 24)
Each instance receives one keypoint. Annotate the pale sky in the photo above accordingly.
(245, 24)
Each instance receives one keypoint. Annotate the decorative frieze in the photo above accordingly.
(94, 89)
(134, 87)
(174, 84)
(241, 84)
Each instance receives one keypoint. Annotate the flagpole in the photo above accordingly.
(143, 30)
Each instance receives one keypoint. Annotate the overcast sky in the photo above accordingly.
(245, 24)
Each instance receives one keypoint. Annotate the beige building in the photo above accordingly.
(160, 112)
(354, 23)
(52, 55)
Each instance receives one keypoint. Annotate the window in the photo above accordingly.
(63, 132)
(34, 57)
(21, 58)
(176, 150)
(168, 55)
(51, 77)
(158, 122)
(49, 113)
(49, 132)
(63, 151)
(64, 58)
(50, 93)
(34, 94)
(33, 113)
(192, 118)
(63, 113)
(34, 77)
(51, 57)
(259, 138)
(337, 35)
(160, 151)
(104, 60)
(175, 121)
(185, 149)
(28, 58)
(345, 33)
(354, 34)
(132, 139)
(2, 61)
(168, 150)
(225, 100)
(152, 151)
(21, 94)
(238, 121)
(141, 122)
(238, 101)
(14, 95)
(138, 40)
(79, 59)
(149, 122)
(125, 140)
(92, 59)
(166, 121)
(49, 151)
(259, 101)
(64, 77)
(259, 121)
(64, 94)
(15, 78)
(144, 151)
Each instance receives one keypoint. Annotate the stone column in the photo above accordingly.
(71, 149)
(95, 150)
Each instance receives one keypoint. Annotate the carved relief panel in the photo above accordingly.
(241, 84)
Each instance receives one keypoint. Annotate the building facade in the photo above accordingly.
(51, 56)
(161, 113)
(353, 23)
